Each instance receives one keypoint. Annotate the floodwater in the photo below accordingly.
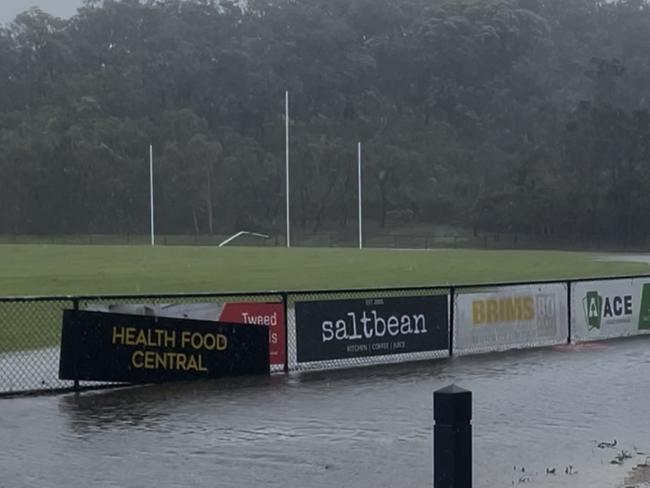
(363, 428)
(625, 258)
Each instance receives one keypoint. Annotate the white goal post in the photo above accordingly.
(243, 233)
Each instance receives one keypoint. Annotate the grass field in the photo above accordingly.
(51, 270)
(87, 270)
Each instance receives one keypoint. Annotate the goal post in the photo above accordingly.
(243, 233)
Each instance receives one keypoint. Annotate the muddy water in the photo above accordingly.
(371, 427)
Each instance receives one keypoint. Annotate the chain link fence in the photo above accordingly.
(317, 330)
(30, 332)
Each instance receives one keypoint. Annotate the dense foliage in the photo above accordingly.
(526, 116)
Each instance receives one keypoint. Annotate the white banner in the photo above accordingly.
(612, 308)
(509, 317)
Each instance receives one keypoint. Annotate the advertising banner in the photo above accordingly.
(270, 315)
(505, 317)
(341, 329)
(612, 308)
(99, 346)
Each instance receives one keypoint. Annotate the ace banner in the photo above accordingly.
(612, 308)
(98, 346)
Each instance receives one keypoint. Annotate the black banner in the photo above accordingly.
(338, 329)
(103, 346)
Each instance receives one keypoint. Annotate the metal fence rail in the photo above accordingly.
(323, 328)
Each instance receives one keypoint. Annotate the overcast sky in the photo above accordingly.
(62, 8)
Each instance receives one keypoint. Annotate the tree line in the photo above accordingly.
(513, 116)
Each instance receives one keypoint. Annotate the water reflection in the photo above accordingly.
(149, 407)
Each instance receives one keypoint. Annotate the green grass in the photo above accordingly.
(50, 270)
(86, 270)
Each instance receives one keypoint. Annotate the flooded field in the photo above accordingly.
(538, 419)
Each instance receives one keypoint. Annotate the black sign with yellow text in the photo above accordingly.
(99, 346)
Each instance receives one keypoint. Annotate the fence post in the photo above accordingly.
(285, 301)
(452, 438)
(452, 299)
(568, 310)
(75, 305)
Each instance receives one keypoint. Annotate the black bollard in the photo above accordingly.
(452, 438)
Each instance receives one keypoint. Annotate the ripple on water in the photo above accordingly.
(369, 427)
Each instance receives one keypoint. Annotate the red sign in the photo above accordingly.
(269, 314)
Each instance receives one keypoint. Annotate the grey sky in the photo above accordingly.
(61, 8)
